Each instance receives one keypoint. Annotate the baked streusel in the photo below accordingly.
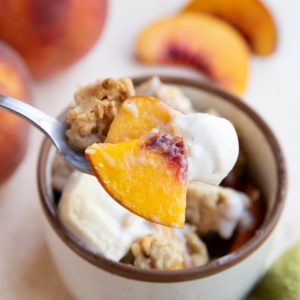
(94, 109)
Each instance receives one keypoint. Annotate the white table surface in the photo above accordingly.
(26, 269)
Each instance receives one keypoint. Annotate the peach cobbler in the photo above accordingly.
(174, 187)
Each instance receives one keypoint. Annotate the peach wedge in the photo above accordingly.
(148, 177)
(202, 42)
(137, 117)
(250, 17)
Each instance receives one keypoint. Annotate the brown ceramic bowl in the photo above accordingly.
(89, 275)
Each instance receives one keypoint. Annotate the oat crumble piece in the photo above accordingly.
(215, 209)
(166, 249)
(155, 251)
(197, 250)
(95, 107)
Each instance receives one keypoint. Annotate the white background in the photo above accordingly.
(26, 270)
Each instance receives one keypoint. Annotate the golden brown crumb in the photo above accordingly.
(154, 251)
(215, 209)
(169, 250)
(196, 249)
(95, 107)
(202, 210)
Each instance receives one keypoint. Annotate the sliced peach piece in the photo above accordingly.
(250, 17)
(200, 41)
(137, 117)
(148, 177)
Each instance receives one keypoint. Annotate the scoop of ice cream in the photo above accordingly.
(212, 146)
(92, 216)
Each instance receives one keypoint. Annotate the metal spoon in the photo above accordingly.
(51, 127)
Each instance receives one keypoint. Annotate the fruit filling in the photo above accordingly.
(159, 204)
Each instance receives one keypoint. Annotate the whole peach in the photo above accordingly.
(15, 82)
(51, 34)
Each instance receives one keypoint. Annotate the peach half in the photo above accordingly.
(202, 42)
(250, 17)
(137, 117)
(148, 177)
(51, 35)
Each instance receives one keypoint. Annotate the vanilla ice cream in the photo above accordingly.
(96, 219)
(212, 146)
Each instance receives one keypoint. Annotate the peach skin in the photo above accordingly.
(148, 177)
(202, 42)
(250, 17)
(51, 34)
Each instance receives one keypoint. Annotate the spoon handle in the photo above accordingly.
(48, 125)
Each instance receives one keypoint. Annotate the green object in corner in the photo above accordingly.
(282, 281)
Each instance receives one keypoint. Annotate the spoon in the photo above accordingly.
(49, 126)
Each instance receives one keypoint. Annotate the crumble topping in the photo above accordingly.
(95, 107)
(169, 250)
(154, 251)
(197, 250)
(216, 209)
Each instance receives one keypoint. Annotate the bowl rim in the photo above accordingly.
(215, 266)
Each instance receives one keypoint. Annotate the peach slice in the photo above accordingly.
(148, 177)
(137, 117)
(200, 41)
(250, 17)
